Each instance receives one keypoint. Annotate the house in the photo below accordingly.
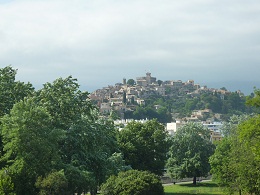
(173, 127)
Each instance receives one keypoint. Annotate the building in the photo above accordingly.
(147, 80)
(173, 127)
(215, 133)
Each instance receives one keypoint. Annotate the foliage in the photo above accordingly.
(54, 183)
(57, 129)
(229, 127)
(11, 91)
(117, 164)
(223, 166)
(189, 152)
(6, 184)
(235, 163)
(30, 144)
(133, 182)
(130, 82)
(162, 115)
(144, 145)
(183, 104)
(65, 102)
(249, 154)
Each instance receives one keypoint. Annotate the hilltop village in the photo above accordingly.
(126, 96)
(131, 95)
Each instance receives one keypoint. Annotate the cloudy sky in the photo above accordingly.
(99, 42)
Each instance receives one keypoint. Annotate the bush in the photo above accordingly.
(54, 183)
(133, 182)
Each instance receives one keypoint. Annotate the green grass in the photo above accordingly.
(203, 188)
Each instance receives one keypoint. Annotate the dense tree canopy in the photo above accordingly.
(56, 133)
(183, 105)
(235, 163)
(189, 152)
(144, 146)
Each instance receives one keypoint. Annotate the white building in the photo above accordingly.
(173, 127)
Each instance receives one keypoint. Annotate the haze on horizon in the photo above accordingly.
(213, 42)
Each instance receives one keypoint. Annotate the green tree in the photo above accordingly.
(65, 102)
(88, 142)
(144, 146)
(88, 148)
(54, 183)
(130, 82)
(223, 166)
(133, 182)
(11, 91)
(57, 129)
(160, 82)
(249, 154)
(254, 100)
(30, 144)
(189, 152)
(235, 163)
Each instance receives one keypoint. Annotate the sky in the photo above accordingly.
(100, 42)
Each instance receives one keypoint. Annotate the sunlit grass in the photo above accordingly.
(203, 188)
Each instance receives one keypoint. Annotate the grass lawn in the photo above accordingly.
(203, 188)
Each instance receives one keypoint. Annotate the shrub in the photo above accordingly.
(133, 182)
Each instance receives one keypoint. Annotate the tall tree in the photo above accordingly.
(65, 102)
(88, 141)
(144, 146)
(57, 131)
(30, 145)
(11, 91)
(189, 152)
(235, 163)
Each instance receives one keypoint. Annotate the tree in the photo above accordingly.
(65, 102)
(88, 142)
(133, 182)
(160, 82)
(57, 129)
(87, 153)
(131, 82)
(53, 183)
(30, 144)
(235, 163)
(223, 166)
(11, 91)
(124, 97)
(249, 154)
(144, 146)
(189, 152)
